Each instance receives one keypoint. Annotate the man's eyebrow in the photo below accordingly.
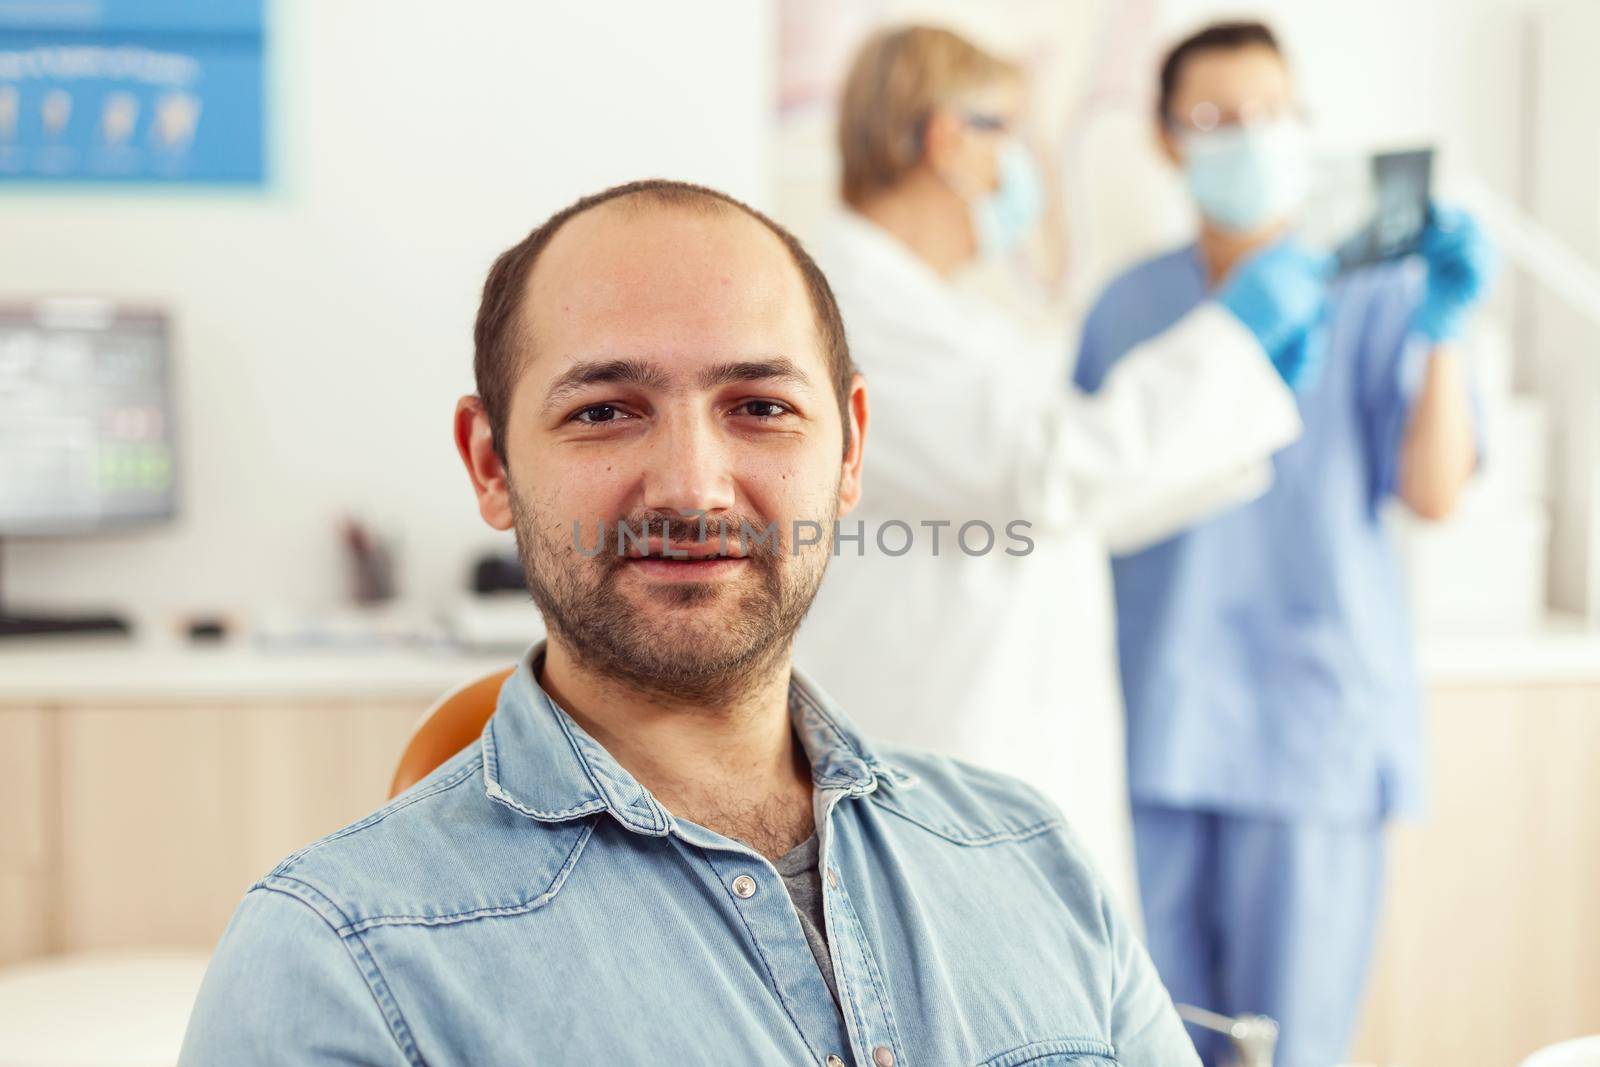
(752, 370)
(650, 375)
(593, 372)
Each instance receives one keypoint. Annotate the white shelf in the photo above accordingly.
(110, 672)
(1560, 651)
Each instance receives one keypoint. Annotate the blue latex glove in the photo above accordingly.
(1461, 262)
(1279, 294)
(1300, 359)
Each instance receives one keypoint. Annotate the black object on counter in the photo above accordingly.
(498, 572)
(207, 628)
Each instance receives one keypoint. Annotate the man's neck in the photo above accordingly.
(1222, 249)
(734, 767)
(926, 216)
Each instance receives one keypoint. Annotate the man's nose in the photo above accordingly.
(689, 468)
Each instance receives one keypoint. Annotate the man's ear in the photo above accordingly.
(475, 442)
(1168, 144)
(856, 414)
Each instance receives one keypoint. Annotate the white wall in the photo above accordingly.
(1566, 345)
(325, 325)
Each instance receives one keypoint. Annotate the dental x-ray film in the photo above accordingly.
(1369, 209)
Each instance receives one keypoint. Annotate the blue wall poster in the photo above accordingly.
(132, 91)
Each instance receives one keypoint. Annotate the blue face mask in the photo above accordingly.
(1247, 177)
(1002, 218)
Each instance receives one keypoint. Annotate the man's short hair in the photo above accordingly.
(1218, 37)
(499, 335)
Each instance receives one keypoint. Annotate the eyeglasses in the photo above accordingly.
(986, 121)
(983, 121)
(1207, 116)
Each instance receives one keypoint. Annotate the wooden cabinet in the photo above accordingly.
(143, 826)
(28, 837)
(1490, 943)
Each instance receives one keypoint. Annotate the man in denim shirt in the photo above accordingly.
(668, 846)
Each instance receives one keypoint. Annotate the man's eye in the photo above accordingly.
(598, 413)
(762, 409)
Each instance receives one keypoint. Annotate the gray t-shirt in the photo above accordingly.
(798, 868)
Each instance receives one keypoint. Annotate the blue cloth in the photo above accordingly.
(1268, 916)
(531, 902)
(1266, 654)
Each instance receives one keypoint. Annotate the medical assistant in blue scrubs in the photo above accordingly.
(1266, 659)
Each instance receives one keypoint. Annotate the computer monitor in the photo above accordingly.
(86, 425)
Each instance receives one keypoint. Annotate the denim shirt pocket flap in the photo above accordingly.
(1063, 1050)
(507, 875)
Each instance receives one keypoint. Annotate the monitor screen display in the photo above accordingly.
(86, 422)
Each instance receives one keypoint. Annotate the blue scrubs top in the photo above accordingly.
(1266, 653)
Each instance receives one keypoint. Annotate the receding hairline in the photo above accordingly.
(634, 204)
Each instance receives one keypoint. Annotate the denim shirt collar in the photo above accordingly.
(539, 762)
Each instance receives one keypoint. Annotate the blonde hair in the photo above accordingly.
(897, 80)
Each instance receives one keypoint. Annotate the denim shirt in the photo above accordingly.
(531, 903)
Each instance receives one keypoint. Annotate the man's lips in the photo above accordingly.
(699, 569)
(688, 561)
(687, 552)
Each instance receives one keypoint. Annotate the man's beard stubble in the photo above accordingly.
(725, 651)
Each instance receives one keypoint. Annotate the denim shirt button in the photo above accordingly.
(882, 1056)
(744, 887)
(833, 878)
(833, 1061)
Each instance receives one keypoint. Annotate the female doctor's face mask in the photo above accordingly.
(1247, 176)
(1002, 216)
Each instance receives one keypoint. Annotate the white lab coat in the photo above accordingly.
(1010, 661)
